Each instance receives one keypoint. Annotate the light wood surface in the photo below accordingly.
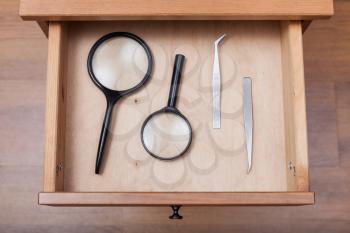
(23, 57)
(55, 109)
(217, 159)
(166, 199)
(294, 107)
(180, 9)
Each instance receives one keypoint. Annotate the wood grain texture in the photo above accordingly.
(294, 107)
(343, 113)
(180, 9)
(55, 109)
(183, 198)
(217, 159)
(322, 115)
(23, 55)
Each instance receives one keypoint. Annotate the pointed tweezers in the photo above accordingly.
(217, 85)
(248, 118)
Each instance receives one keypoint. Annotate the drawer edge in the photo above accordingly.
(160, 9)
(175, 198)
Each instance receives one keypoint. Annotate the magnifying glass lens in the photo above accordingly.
(166, 135)
(120, 63)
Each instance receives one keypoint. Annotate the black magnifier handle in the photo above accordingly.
(103, 136)
(175, 80)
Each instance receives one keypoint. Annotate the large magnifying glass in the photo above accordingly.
(119, 63)
(166, 134)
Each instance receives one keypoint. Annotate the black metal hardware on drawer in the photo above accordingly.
(175, 214)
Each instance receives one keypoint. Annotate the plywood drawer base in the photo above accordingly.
(268, 51)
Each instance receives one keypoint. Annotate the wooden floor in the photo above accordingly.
(23, 51)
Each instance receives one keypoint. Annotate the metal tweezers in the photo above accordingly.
(217, 85)
(248, 118)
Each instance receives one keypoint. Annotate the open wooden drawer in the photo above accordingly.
(213, 172)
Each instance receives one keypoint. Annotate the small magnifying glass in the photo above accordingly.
(166, 134)
(119, 64)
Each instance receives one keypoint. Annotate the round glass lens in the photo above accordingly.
(166, 135)
(120, 63)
